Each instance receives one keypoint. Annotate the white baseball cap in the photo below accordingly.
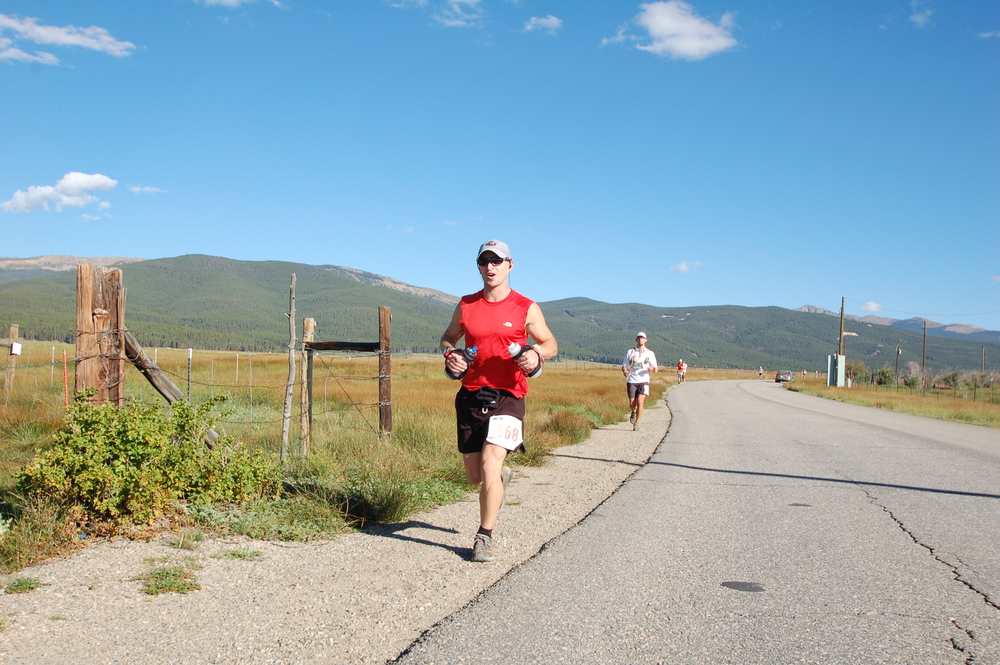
(641, 334)
(496, 246)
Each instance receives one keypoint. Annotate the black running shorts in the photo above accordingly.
(636, 389)
(474, 421)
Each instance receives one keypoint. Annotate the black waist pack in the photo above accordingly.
(489, 398)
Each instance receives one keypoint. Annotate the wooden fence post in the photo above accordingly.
(305, 386)
(100, 344)
(8, 375)
(286, 415)
(384, 372)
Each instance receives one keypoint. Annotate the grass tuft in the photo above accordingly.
(188, 539)
(244, 553)
(40, 529)
(23, 585)
(168, 579)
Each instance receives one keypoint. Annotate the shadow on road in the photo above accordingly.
(830, 480)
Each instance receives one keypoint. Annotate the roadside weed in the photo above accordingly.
(168, 579)
(188, 539)
(243, 553)
(23, 585)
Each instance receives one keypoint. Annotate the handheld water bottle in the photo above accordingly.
(469, 354)
(515, 350)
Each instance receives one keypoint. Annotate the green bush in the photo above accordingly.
(857, 368)
(129, 465)
(884, 376)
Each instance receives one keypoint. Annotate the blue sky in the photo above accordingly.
(670, 153)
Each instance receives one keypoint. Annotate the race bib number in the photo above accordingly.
(505, 431)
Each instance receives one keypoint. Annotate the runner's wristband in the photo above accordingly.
(538, 349)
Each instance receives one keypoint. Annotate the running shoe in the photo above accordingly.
(631, 418)
(482, 548)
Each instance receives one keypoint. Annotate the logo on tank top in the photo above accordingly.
(508, 324)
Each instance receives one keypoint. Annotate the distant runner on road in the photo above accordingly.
(489, 406)
(639, 362)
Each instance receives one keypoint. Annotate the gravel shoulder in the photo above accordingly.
(358, 598)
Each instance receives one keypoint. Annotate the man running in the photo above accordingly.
(489, 406)
(682, 368)
(639, 362)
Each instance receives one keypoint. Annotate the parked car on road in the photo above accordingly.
(784, 375)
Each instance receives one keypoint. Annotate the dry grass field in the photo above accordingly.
(961, 406)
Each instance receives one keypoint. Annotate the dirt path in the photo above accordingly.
(359, 598)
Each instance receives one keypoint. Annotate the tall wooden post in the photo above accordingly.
(8, 375)
(840, 344)
(286, 415)
(384, 372)
(100, 344)
(923, 361)
(305, 387)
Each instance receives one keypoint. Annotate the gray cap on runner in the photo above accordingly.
(497, 247)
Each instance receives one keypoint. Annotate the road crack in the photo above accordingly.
(956, 575)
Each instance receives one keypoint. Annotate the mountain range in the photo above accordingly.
(916, 324)
(213, 302)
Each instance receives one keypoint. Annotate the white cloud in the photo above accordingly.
(684, 267)
(449, 13)
(28, 29)
(995, 279)
(41, 57)
(450, 222)
(459, 13)
(988, 35)
(146, 190)
(73, 190)
(673, 29)
(922, 12)
(550, 24)
(871, 306)
(232, 4)
(89, 218)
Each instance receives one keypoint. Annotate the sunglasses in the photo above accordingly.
(493, 261)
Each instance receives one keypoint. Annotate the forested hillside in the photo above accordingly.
(731, 336)
(210, 302)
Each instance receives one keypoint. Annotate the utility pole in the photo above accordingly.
(840, 344)
(923, 361)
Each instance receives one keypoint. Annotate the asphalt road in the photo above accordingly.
(769, 527)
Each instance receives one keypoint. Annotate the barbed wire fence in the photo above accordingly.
(343, 383)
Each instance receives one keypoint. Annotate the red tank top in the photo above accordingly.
(492, 326)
